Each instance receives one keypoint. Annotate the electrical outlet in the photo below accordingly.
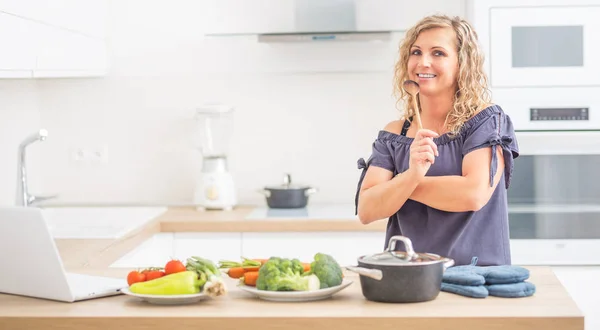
(90, 155)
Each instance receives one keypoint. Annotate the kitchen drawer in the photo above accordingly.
(345, 247)
(213, 246)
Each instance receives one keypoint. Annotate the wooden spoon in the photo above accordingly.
(412, 88)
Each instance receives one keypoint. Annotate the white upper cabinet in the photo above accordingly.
(18, 55)
(58, 38)
(62, 53)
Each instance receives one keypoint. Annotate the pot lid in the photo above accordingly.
(287, 184)
(398, 258)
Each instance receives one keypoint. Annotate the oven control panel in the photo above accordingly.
(539, 114)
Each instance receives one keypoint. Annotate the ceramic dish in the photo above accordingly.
(182, 299)
(295, 296)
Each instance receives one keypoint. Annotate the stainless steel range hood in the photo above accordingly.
(313, 20)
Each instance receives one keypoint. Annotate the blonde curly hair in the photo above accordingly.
(472, 94)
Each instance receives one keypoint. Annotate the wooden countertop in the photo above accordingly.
(190, 220)
(550, 308)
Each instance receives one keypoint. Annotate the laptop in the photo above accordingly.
(31, 264)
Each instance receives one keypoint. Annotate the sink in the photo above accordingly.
(98, 222)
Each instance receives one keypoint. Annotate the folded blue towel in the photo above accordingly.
(513, 290)
(473, 291)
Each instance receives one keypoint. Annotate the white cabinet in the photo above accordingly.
(160, 248)
(85, 17)
(61, 38)
(62, 53)
(212, 246)
(581, 282)
(345, 247)
(18, 55)
(154, 252)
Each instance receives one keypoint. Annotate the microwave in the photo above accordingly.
(542, 61)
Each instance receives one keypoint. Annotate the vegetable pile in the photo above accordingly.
(281, 274)
(197, 275)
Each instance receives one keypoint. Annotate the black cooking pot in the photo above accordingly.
(287, 195)
(401, 277)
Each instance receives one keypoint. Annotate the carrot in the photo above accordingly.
(236, 272)
(251, 269)
(306, 266)
(250, 278)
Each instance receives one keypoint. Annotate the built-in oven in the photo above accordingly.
(554, 199)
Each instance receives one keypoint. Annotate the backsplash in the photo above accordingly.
(313, 124)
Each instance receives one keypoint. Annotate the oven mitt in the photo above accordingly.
(472, 291)
(478, 275)
(512, 290)
(478, 282)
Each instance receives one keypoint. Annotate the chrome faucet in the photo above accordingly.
(23, 196)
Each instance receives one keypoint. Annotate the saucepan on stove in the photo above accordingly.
(287, 195)
(401, 277)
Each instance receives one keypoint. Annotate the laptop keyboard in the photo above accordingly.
(85, 285)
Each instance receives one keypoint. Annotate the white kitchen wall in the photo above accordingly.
(19, 117)
(309, 110)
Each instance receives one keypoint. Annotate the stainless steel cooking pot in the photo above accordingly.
(401, 277)
(287, 195)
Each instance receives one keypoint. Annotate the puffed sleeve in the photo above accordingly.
(381, 156)
(494, 130)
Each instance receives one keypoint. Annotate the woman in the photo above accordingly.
(445, 186)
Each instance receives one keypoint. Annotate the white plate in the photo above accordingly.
(295, 296)
(180, 299)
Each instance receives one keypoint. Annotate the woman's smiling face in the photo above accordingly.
(433, 62)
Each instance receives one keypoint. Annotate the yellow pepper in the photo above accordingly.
(186, 282)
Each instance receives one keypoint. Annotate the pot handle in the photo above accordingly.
(375, 274)
(310, 191)
(265, 192)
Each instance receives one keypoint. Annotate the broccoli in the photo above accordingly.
(326, 268)
(280, 274)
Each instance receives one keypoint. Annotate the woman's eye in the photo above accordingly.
(438, 53)
(416, 52)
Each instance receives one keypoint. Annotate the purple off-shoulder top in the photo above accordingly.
(458, 235)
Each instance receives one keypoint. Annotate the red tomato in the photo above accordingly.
(174, 266)
(153, 274)
(135, 277)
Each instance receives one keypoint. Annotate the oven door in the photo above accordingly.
(544, 46)
(554, 199)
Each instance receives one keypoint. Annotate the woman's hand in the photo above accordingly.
(422, 152)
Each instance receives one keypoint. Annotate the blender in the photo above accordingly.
(214, 187)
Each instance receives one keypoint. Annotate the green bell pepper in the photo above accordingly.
(186, 282)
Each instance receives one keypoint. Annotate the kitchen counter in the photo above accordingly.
(254, 219)
(550, 308)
